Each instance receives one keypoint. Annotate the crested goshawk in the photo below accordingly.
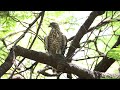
(55, 42)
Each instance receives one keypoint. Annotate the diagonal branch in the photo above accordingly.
(42, 16)
(30, 25)
(8, 63)
(106, 62)
(102, 23)
(84, 28)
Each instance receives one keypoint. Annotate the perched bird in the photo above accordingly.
(55, 42)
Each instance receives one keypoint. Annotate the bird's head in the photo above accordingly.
(54, 25)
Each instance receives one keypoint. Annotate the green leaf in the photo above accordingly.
(114, 53)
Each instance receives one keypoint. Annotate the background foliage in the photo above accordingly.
(14, 23)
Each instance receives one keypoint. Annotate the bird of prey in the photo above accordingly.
(55, 42)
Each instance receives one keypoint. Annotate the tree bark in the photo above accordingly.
(55, 62)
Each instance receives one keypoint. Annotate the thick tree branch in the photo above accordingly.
(55, 62)
(84, 28)
(36, 56)
(8, 63)
(105, 62)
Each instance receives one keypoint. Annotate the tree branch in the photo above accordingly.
(106, 62)
(49, 60)
(84, 28)
(8, 63)
(102, 23)
(42, 16)
(30, 25)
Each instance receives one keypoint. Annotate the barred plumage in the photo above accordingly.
(55, 42)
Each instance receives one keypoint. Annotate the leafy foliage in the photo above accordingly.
(115, 53)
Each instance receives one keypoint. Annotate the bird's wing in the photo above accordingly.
(64, 43)
(46, 43)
